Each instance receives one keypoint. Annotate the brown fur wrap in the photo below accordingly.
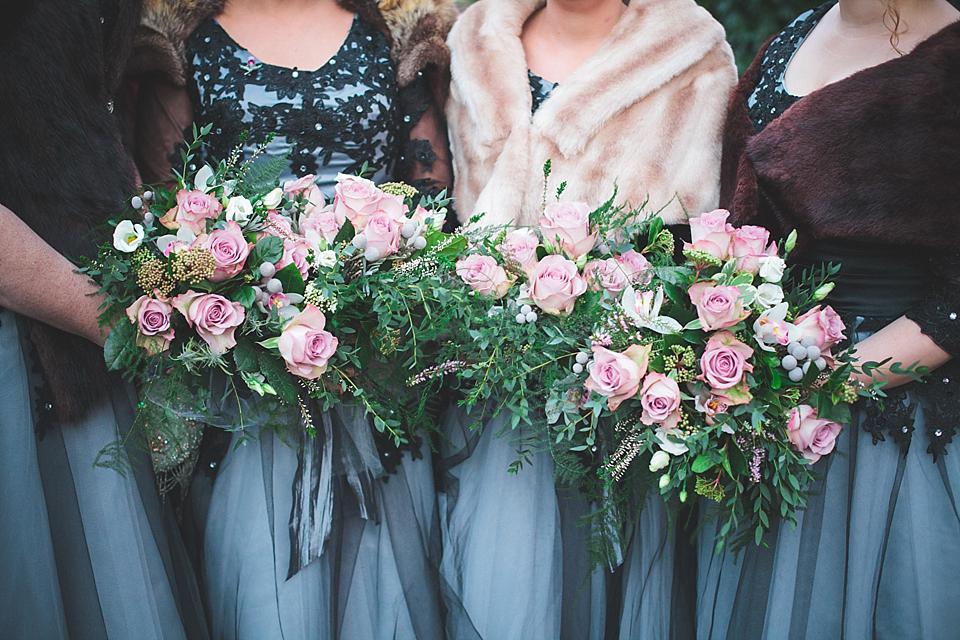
(875, 156)
(644, 112)
(63, 168)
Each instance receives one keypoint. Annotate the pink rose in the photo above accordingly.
(356, 199)
(717, 307)
(724, 360)
(568, 223)
(304, 344)
(278, 225)
(301, 184)
(152, 318)
(617, 376)
(229, 250)
(823, 325)
(520, 245)
(325, 224)
(484, 275)
(660, 399)
(295, 253)
(750, 243)
(556, 285)
(383, 234)
(393, 206)
(192, 210)
(710, 232)
(214, 317)
(812, 436)
(606, 275)
(635, 265)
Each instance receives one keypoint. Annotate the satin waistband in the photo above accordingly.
(874, 279)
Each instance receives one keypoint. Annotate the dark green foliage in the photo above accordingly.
(749, 23)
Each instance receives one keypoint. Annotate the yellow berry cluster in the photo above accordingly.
(192, 265)
(153, 278)
(398, 189)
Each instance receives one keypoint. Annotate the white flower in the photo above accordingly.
(771, 268)
(326, 258)
(645, 311)
(201, 181)
(239, 209)
(769, 295)
(659, 460)
(272, 199)
(127, 237)
(665, 481)
(771, 327)
(671, 447)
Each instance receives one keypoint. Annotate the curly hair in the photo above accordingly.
(891, 20)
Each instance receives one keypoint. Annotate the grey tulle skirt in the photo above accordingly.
(85, 552)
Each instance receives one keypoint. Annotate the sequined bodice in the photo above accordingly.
(770, 98)
(329, 120)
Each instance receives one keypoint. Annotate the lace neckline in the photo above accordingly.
(770, 97)
(330, 61)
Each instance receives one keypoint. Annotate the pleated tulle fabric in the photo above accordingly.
(85, 552)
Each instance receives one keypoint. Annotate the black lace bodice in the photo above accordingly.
(330, 120)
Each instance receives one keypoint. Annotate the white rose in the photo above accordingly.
(272, 199)
(659, 460)
(771, 268)
(769, 295)
(127, 237)
(326, 258)
(239, 209)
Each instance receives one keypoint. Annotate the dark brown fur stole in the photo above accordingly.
(63, 168)
(875, 156)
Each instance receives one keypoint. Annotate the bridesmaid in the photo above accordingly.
(87, 552)
(846, 128)
(339, 88)
(611, 93)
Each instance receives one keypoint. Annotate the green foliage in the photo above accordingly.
(749, 23)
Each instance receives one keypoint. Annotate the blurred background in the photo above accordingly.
(750, 22)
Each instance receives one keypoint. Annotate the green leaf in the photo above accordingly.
(245, 355)
(120, 348)
(269, 249)
(279, 378)
(702, 463)
(246, 296)
(271, 343)
(345, 234)
(291, 279)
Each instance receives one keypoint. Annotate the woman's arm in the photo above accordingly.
(38, 282)
(903, 342)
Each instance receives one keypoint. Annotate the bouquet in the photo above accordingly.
(232, 288)
(711, 374)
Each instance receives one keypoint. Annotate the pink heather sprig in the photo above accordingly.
(757, 456)
(436, 371)
(601, 339)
